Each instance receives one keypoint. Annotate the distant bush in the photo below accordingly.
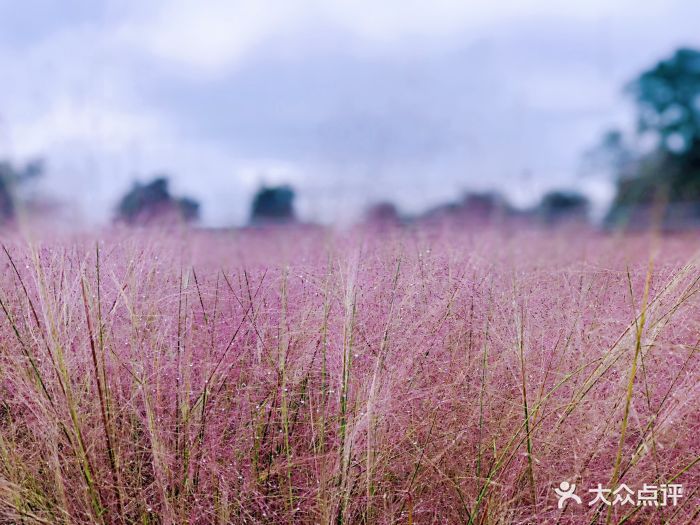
(273, 204)
(146, 203)
(560, 205)
(474, 208)
(12, 176)
(383, 213)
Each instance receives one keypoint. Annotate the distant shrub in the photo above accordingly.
(383, 213)
(146, 203)
(557, 206)
(273, 204)
(12, 176)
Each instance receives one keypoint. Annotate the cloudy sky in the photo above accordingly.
(351, 101)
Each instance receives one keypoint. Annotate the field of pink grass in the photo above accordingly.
(409, 376)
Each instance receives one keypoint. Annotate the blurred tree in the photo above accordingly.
(12, 176)
(668, 103)
(383, 213)
(189, 208)
(152, 202)
(474, 207)
(558, 206)
(668, 99)
(486, 205)
(273, 204)
(612, 152)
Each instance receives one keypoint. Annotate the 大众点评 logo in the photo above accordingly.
(647, 496)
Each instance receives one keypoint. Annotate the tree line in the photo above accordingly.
(656, 169)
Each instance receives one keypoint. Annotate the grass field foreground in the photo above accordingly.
(408, 376)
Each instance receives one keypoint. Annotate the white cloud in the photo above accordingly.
(215, 35)
(209, 35)
(68, 122)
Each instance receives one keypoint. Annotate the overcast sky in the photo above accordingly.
(351, 101)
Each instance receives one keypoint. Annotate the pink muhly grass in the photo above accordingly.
(296, 376)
